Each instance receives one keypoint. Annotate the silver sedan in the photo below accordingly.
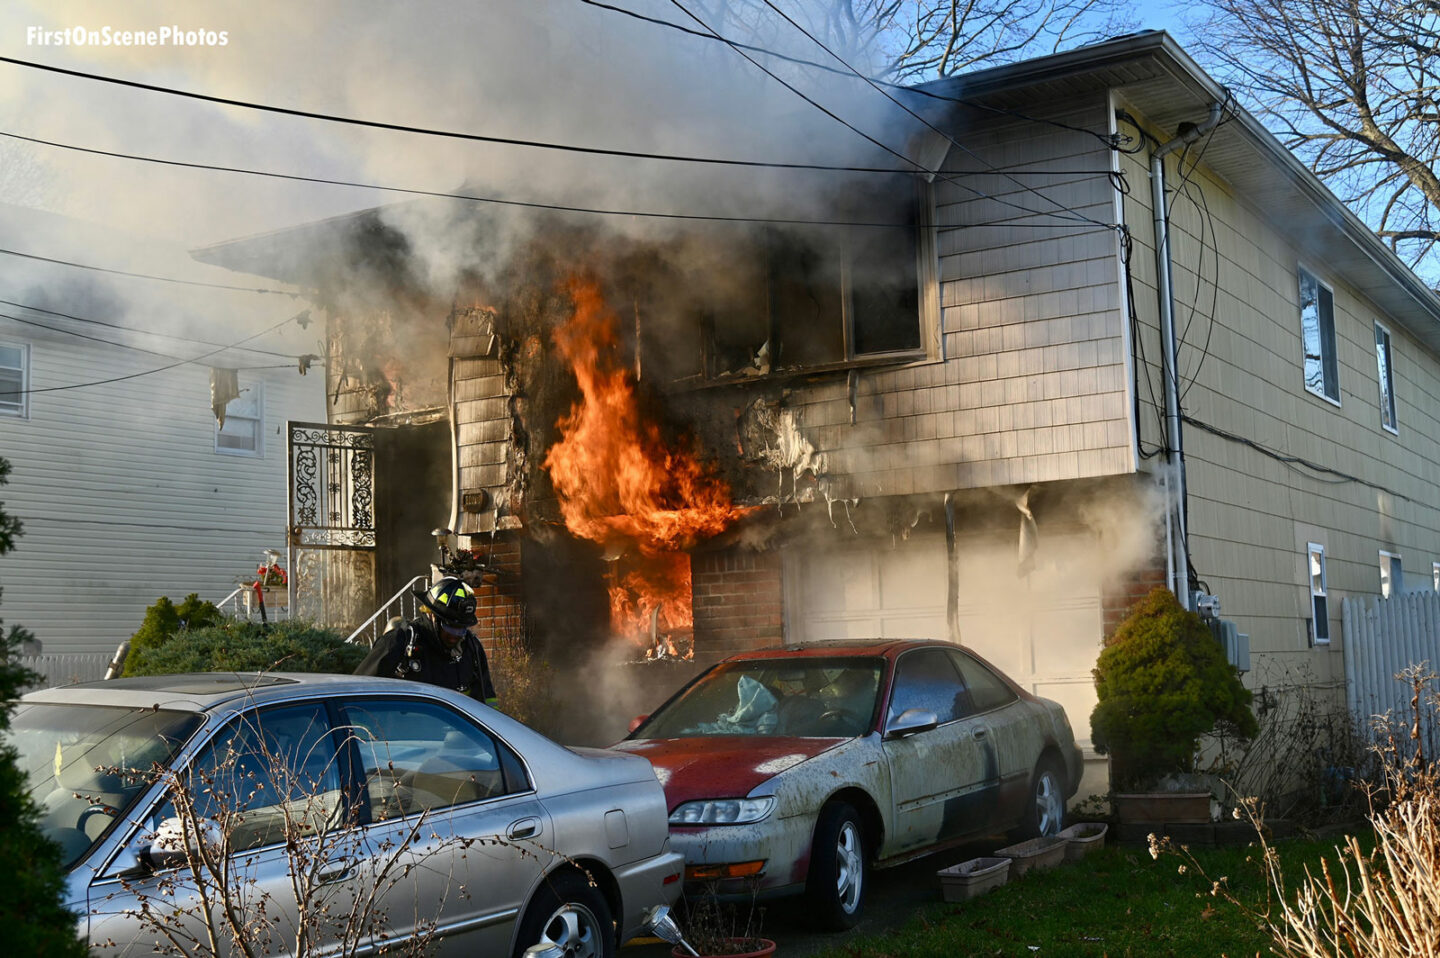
(320, 814)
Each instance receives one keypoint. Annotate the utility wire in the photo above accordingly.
(1112, 142)
(445, 134)
(928, 125)
(1292, 461)
(498, 201)
(148, 372)
(162, 279)
(133, 329)
(916, 166)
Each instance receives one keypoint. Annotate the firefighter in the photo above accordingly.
(436, 647)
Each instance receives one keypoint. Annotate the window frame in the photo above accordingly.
(1319, 610)
(18, 408)
(1392, 574)
(1322, 289)
(257, 389)
(1385, 375)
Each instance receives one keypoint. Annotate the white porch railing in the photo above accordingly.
(1382, 638)
(403, 604)
(242, 604)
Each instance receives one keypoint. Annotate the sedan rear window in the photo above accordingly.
(85, 765)
(807, 697)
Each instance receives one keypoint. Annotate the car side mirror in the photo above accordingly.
(167, 847)
(911, 721)
(636, 722)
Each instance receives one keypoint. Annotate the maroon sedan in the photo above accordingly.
(796, 770)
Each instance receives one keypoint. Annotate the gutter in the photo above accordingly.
(1178, 568)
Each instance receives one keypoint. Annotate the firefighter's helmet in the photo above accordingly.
(452, 601)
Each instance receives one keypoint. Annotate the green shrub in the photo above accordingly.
(163, 621)
(1162, 682)
(237, 646)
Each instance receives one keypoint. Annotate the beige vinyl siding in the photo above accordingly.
(1251, 515)
(122, 494)
(1032, 386)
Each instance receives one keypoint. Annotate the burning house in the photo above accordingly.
(937, 413)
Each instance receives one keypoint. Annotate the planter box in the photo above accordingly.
(973, 878)
(1037, 853)
(1161, 807)
(1082, 839)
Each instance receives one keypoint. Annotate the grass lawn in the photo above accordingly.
(1114, 903)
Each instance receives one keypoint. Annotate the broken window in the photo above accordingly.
(243, 433)
(805, 297)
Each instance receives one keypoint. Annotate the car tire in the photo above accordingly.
(1045, 808)
(569, 912)
(839, 872)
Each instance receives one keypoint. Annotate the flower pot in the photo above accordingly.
(1082, 839)
(732, 948)
(1162, 807)
(277, 597)
(1038, 853)
(973, 878)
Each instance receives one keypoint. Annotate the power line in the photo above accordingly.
(446, 134)
(148, 372)
(1074, 215)
(928, 125)
(132, 329)
(1110, 141)
(162, 279)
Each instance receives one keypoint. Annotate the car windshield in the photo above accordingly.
(86, 764)
(808, 697)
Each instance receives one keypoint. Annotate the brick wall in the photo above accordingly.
(737, 602)
(1118, 597)
(499, 605)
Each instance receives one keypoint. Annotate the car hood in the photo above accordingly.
(723, 766)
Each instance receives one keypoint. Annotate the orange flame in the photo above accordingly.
(621, 486)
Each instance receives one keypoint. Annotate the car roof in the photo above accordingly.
(209, 691)
(888, 648)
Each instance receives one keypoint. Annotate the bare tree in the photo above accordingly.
(1351, 87)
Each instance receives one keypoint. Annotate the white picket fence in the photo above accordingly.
(1382, 638)
(64, 668)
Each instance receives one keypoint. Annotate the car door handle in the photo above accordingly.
(524, 828)
(340, 872)
(980, 732)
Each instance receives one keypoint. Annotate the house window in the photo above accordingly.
(1392, 576)
(1387, 378)
(14, 380)
(1317, 327)
(802, 297)
(244, 431)
(1319, 604)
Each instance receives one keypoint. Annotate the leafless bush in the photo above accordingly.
(1375, 904)
(524, 682)
(1308, 761)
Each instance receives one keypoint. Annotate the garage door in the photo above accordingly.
(1042, 628)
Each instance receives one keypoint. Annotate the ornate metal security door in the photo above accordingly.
(332, 523)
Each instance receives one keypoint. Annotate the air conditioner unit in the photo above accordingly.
(1235, 643)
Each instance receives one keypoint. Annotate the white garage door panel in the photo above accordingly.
(1042, 629)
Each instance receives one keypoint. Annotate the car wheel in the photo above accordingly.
(1045, 812)
(570, 914)
(838, 870)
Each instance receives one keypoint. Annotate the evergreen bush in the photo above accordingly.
(163, 621)
(239, 646)
(1162, 682)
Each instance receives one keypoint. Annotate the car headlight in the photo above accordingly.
(722, 811)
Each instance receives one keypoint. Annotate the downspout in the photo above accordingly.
(1179, 542)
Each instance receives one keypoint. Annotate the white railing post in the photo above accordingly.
(402, 603)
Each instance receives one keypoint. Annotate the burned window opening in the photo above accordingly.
(798, 298)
